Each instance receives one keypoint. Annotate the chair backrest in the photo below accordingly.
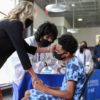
(85, 83)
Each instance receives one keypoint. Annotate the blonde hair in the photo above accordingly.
(22, 11)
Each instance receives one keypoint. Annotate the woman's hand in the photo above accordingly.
(53, 48)
(46, 49)
(40, 87)
(36, 80)
(34, 77)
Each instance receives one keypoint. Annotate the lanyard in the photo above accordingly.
(84, 58)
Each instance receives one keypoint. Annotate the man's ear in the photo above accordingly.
(66, 55)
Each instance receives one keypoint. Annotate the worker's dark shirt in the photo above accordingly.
(11, 39)
(97, 55)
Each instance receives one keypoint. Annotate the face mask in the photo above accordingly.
(28, 22)
(58, 56)
(45, 43)
(82, 48)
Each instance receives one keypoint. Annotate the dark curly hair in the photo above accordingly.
(85, 44)
(46, 28)
(68, 43)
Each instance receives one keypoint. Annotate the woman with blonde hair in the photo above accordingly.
(11, 36)
(23, 12)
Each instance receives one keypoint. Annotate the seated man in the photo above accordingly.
(73, 79)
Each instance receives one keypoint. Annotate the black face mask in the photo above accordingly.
(58, 56)
(82, 48)
(45, 43)
(28, 22)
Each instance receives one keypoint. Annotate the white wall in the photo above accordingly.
(41, 17)
(66, 24)
(88, 34)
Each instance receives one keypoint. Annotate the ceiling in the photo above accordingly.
(89, 10)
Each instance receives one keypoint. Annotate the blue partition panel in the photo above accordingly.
(93, 87)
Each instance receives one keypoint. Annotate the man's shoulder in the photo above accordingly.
(98, 45)
(74, 62)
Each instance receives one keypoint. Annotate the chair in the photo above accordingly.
(84, 86)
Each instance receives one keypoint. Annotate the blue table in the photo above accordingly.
(53, 80)
(92, 91)
(93, 87)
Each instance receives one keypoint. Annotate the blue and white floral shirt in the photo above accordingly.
(74, 72)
